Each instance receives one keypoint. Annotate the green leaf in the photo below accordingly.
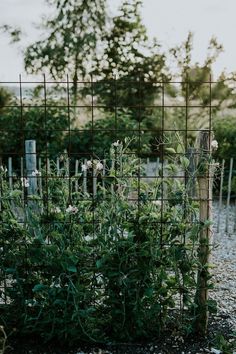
(180, 149)
(212, 306)
(38, 288)
(10, 270)
(184, 162)
(170, 150)
(149, 292)
(99, 263)
(72, 268)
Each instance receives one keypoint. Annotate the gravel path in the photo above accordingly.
(224, 262)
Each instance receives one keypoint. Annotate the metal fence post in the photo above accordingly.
(31, 166)
(229, 195)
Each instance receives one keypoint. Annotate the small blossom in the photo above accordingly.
(24, 182)
(36, 173)
(89, 164)
(84, 168)
(214, 144)
(99, 166)
(72, 209)
(56, 210)
(3, 169)
(156, 202)
(61, 158)
(116, 143)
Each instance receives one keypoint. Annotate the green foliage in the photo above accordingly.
(129, 57)
(223, 344)
(225, 134)
(98, 135)
(112, 270)
(70, 41)
(18, 123)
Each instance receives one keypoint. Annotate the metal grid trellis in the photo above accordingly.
(76, 182)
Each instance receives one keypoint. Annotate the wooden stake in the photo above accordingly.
(205, 197)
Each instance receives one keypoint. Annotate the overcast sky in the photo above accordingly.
(168, 20)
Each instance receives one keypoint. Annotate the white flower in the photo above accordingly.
(72, 209)
(24, 182)
(56, 210)
(36, 173)
(99, 166)
(84, 168)
(214, 144)
(3, 169)
(156, 202)
(116, 143)
(89, 164)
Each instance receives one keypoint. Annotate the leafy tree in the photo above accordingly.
(198, 88)
(70, 42)
(130, 58)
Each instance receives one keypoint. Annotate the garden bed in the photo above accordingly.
(220, 339)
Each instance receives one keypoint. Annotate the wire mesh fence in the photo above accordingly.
(105, 210)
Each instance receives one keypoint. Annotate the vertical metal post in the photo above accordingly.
(94, 182)
(76, 174)
(220, 196)
(22, 176)
(228, 195)
(103, 177)
(157, 166)
(31, 166)
(58, 166)
(112, 168)
(85, 178)
(10, 172)
(40, 178)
